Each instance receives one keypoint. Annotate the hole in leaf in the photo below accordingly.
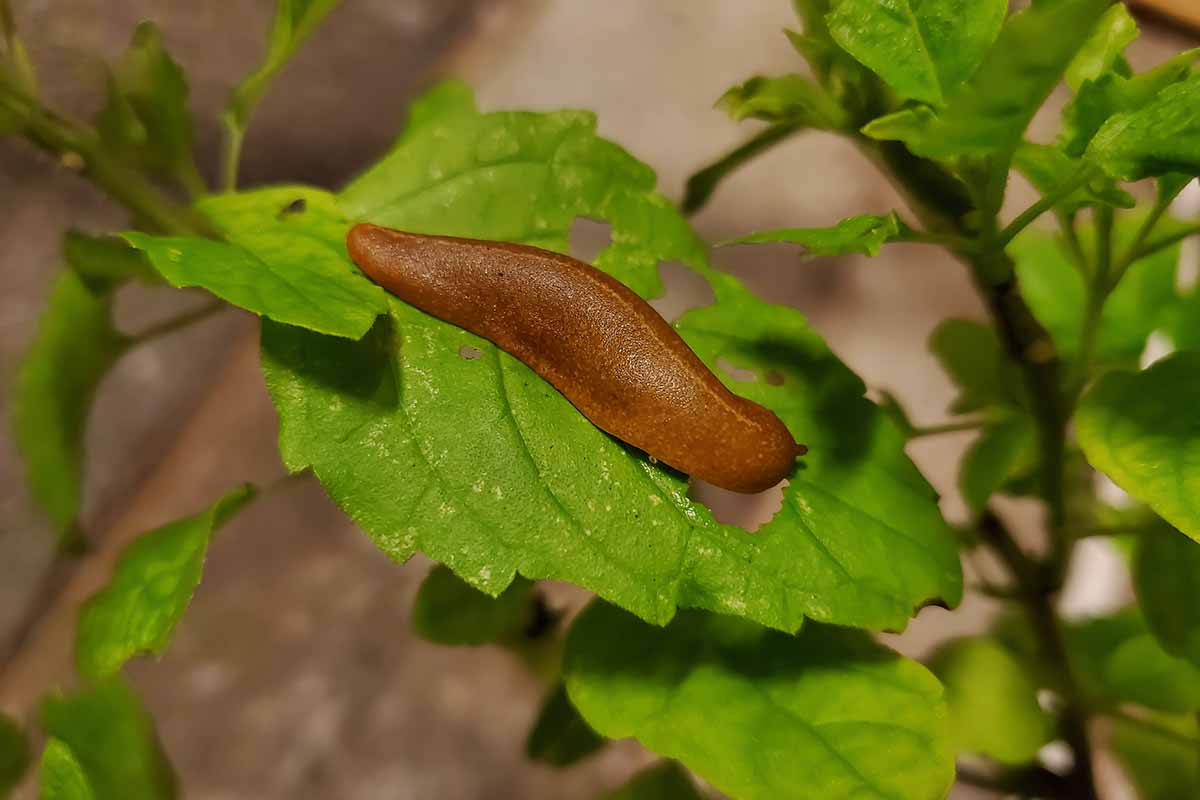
(736, 372)
(469, 353)
(297, 206)
(589, 237)
(685, 290)
(747, 511)
(774, 377)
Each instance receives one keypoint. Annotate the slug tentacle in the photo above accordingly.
(607, 350)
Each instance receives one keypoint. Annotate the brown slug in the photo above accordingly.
(607, 350)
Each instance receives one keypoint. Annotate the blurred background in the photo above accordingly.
(295, 673)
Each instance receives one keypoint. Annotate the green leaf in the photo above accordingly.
(1115, 31)
(827, 713)
(989, 114)
(75, 346)
(112, 737)
(1056, 292)
(1047, 167)
(993, 702)
(105, 262)
(146, 118)
(1141, 430)
(703, 183)
(864, 234)
(666, 781)
(450, 611)
(1159, 757)
(1118, 661)
(1112, 93)
(924, 49)
(1161, 137)
(971, 354)
(790, 98)
(485, 467)
(150, 590)
(62, 776)
(1166, 572)
(560, 737)
(1001, 451)
(14, 755)
(284, 258)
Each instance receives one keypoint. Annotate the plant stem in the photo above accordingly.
(949, 427)
(176, 323)
(1026, 782)
(1099, 288)
(1044, 204)
(1155, 728)
(1162, 243)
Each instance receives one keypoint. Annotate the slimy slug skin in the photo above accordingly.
(607, 350)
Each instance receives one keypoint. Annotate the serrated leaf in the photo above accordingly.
(1056, 292)
(1115, 31)
(1161, 137)
(150, 590)
(993, 702)
(14, 755)
(284, 258)
(146, 118)
(560, 737)
(1117, 660)
(989, 114)
(449, 610)
(666, 781)
(1112, 93)
(486, 468)
(1166, 573)
(1141, 430)
(789, 98)
(864, 234)
(1001, 451)
(924, 49)
(846, 717)
(62, 776)
(971, 354)
(105, 262)
(1159, 759)
(112, 738)
(1047, 167)
(75, 346)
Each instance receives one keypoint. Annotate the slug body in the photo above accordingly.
(607, 350)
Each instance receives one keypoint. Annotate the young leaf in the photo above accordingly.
(105, 262)
(1047, 167)
(150, 590)
(988, 114)
(993, 702)
(971, 354)
(62, 776)
(449, 611)
(485, 467)
(1056, 292)
(14, 755)
(1160, 758)
(1000, 452)
(1141, 429)
(1159, 138)
(1118, 661)
(295, 20)
(790, 98)
(924, 49)
(1166, 572)
(75, 346)
(703, 183)
(287, 265)
(146, 118)
(112, 738)
(1115, 31)
(864, 234)
(666, 781)
(560, 737)
(761, 714)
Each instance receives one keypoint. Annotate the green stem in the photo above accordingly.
(1162, 243)
(169, 326)
(1155, 728)
(700, 186)
(1099, 288)
(235, 134)
(1047, 202)
(949, 427)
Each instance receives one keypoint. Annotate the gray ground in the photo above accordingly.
(294, 673)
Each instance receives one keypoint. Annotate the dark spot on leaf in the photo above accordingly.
(775, 377)
(297, 206)
(469, 353)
